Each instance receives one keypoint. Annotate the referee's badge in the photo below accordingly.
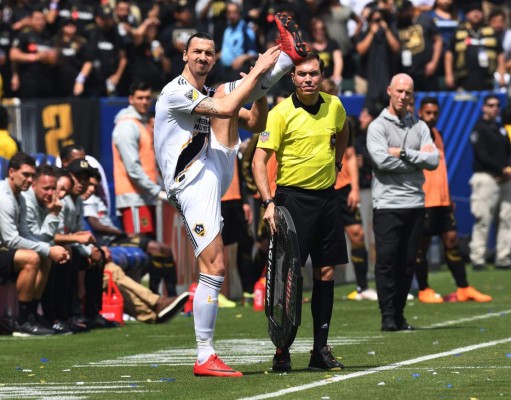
(264, 136)
(199, 230)
(332, 140)
(192, 95)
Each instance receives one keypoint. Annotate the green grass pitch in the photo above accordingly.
(461, 351)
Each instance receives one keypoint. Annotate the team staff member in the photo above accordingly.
(439, 220)
(401, 147)
(491, 186)
(196, 160)
(308, 133)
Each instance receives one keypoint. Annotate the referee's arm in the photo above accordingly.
(261, 157)
(341, 142)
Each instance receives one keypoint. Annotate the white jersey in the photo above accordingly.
(180, 137)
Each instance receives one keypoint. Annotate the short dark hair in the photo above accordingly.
(138, 86)
(45, 169)
(63, 173)
(496, 13)
(198, 35)
(65, 152)
(429, 100)
(489, 97)
(311, 55)
(20, 159)
(4, 118)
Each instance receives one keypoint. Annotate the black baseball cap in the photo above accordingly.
(80, 166)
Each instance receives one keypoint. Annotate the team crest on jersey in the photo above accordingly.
(192, 95)
(199, 230)
(264, 136)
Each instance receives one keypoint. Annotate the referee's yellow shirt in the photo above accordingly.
(303, 138)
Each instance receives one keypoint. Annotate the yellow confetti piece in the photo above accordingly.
(42, 366)
(239, 315)
(31, 375)
(328, 376)
(266, 372)
(474, 398)
(42, 382)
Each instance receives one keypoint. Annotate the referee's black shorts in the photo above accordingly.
(348, 216)
(317, 219)
(7, 271)
(439, 220)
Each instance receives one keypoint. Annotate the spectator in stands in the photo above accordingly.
(210, 17)
(140, 302)
(73, 65)
(377, 48)
(18, 14)
(33, 56)
(174, 38)
(34, 255)
(125, 20)
(498, 21)
(446, 17)
(421, 47)
(475, 54)
(8, 146)
(108, 56)
(440, 220)
(336, 16)
(81, 11)
(239, 45)
(6, 37)
(328, 50)
(145, 55)
(491, 186)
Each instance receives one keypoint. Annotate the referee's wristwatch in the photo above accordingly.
(402, 154)
(266, 203)
(338, 166)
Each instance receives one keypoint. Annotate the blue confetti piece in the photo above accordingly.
(44, 360)
(457, 355)
(416, 375)
(449, 385)
(508, 355)
(19, 369)
(154, 365)
(133, 385)
(482, 330)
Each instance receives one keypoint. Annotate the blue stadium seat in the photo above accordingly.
(41, 158)
(4, 164)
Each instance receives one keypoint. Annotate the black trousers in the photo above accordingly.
(397, 234)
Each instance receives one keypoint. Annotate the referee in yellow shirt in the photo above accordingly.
(308, 132)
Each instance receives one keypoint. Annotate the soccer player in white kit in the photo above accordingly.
(196, 157)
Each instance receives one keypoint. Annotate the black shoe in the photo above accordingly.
(282, 360)
(405, 326)
(100, 322)
(78, 324)
(62, 328)
(31, 328)
(479, 267)
(388, 325)
(324, 360)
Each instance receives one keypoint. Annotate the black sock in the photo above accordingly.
(24, 311)
(359, 260)
(34, 305)
(456, 265)
(322, 304)
(421, 269)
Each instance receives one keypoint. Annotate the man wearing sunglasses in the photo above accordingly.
(491, 186)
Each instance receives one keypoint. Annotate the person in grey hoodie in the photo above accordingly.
(401, 147)
(15, 235)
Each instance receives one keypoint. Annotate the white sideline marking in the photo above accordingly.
(338, 378)
(468, 319)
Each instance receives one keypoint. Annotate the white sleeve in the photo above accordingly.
(183, 97)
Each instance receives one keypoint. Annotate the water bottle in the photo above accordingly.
(259, 294)
(155, 45)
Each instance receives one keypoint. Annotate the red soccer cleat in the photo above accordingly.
(214, 367)
(290, 39)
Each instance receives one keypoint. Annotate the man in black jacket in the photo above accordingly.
(491, 186)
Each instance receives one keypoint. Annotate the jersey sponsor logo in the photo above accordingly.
(107, 46)
(199, 230)
(192, 95)
(264, 136)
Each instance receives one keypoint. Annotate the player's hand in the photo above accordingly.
(267, 60)
(269, 218)
(353, 199)
(54, 206)
(249, 216)
(59, 254)
(85, 237)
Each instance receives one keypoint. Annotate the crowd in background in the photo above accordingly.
(60, 48)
